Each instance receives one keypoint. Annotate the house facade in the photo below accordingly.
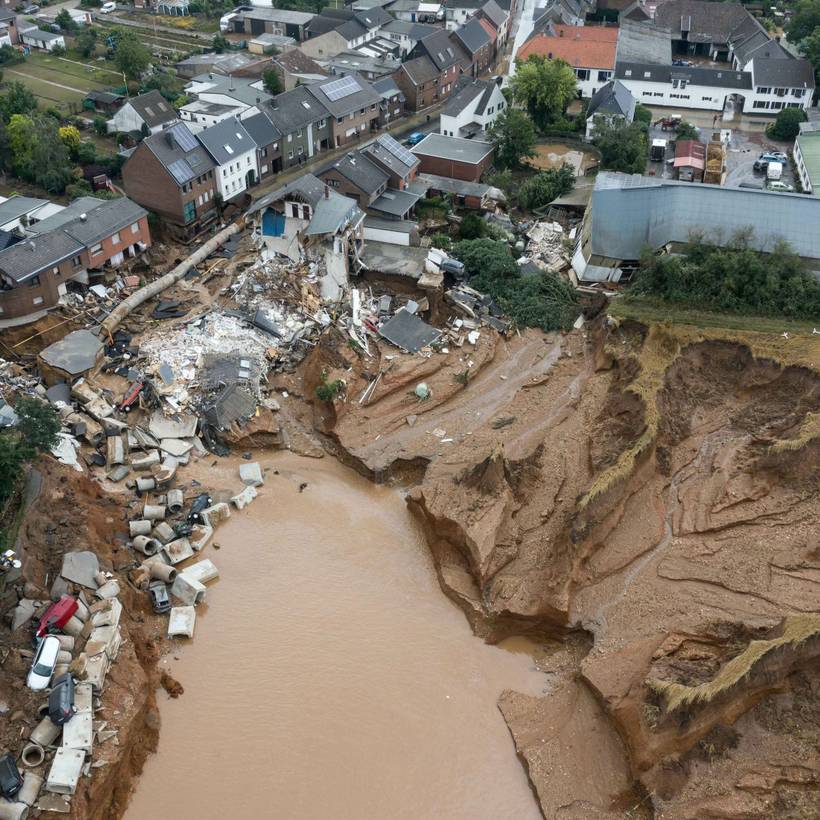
(146, 114)
(453, 157)
(268, 144)
(304, 123)
(353, 104)
(473, 107)
(233, 151)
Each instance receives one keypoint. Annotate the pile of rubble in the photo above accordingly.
(548, 246)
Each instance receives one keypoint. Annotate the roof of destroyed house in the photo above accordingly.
(213, 108)
(295, 61)
(387, 88)
(243, 89)
(81, 205)
(460, 187)
(495, 14)
(580, 46)
(789, 73)
(295, 109)
(360, 171)
(330, 210)
(99, 223)
(612, 98)
(630, 212)
(442, 49)
(453, 148)
(349, 61)
(226, 140)
(392, 154)
(394, 202)
(295, 18)
(643, 43)
(420, 70)
(263, 132)
(16, 206)
(74, 354)
(690, 153)
(703, 22)
(473, 36)
(180, 153)
(268, 39)
(29, 257)
(342, 95)
(153, 108)
(469, 93)
(220, 63)
(719, 78)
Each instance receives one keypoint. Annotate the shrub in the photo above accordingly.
(441, 241)
(472, 226)
(328, 391)
(787, 124)
(541, 189)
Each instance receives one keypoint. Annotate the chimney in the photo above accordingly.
(83, 217)
(230, 82)
(327, 191)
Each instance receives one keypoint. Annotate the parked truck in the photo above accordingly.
(657, 151)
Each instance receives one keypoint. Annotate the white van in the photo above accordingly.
(107, 8)
(774, 170)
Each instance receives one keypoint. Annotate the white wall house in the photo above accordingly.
(472, 108)
(234, 152)
(46, 40)
(458, 12)
(201, 114)
(150, 110)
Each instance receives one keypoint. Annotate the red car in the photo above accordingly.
(57, 616)
(131, 396)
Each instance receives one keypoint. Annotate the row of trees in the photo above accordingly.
(804, 31)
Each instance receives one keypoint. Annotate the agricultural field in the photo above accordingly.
(162, 43)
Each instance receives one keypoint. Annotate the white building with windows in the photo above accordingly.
(234, 152)
(472, 108)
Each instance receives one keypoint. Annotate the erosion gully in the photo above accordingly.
(329, 676)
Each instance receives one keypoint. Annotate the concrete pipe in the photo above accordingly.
(32, 783)
(163, 572)
(66, 642)
(63, 656)
(42, 710)
(74, 626)
(61, 669)
(154, 512)
(13, 811)
(82, 611)
(146, 484)
(100, 578)
(139, 528)
(163, 532)
(33, 753)
(146, 545)
(175, 501)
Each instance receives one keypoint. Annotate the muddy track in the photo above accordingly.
(654, 489)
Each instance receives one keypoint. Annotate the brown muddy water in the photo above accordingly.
(330, 677)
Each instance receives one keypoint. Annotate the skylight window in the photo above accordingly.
(228, 149)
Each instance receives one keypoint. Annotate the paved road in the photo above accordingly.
(522, 28)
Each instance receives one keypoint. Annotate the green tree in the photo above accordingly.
(17, 100)
(86, 41)
(38, 426)
(131, 54)
(513, 135)
(787, 124)
(10, 56)
(11, 463)
(686, 131)
(472, 226)
(544, 87)
(100, 125)
(486, 256)
(643, 114)
(622, 145)
(65, 21)
(441, 241)
(810, 47)
(220, 44)
(86, 153)
(541, 189)
(70, 137)
(271, 81)
(805, 21)
(21, 136)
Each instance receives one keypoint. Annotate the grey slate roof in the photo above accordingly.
(238, 88)
(706, 22)
(295, 109)
(226, 140)
(613, 98)
(473, 36)
(387, 88)
(351, 30)
(362, 98)
(643, 43)
(391, 154)
(373, 18)
(263, 132)
(494, 13)
(296, 18)
(178, 151)
(153, 108)
(716, 77)
(437, 145)
(420, 70)
(30, 257)
(788, 73)
(297, 62)
(360, 171)
(442, 49)
(394, 202)
(469, 93)
(631, 211)
(16, 206)
(112, 215)
(81, 205)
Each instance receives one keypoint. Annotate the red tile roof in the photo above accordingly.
(580, 46)
(690, 153)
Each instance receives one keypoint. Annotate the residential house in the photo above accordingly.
(308, 213)
(255, 21)
(565, 12)
(392, 100)
(627, 213)
(9, 33)
(18, 212)
(369, 67)
(44, 40)
(473, 107)
(305, 125)
(268, 144)
(458, 12)
(214, 98)
(499, 19)
(589, 50)
(171, 174)
(690, 160)
(270, 44)
(234, 152)
(807, 156)
(294, 68)
(337, 30)
(142, 115)
(234, 63)
(611, 101)
(353, 104)
(417, 11)
(91, 234)
(478, 42)
(453, 157)
(406, 34)
(104, 102)
(392, 157)
(418, 80)
(435, 64)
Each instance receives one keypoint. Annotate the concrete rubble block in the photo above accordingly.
(107, 615)
(197, 445)
(178, 550)
(182, 621)
(99, 409)
(96, 670)
(78, 733)
(32, 783)
(139, 439)
(23, 613)
(244, 498)
(54, 803)
(78, 665)
(145, 461)
(65, 771)
(106, 639)
(74, 626)
(113, 427)
(110, 589)
(61, 669)
(84, 698)
(94, 432)
(119, 472)
(81, 568)
(146, 483)
(161, 427)
(215, 514)
(174, 446)
(200, 535)
(202, 571)
(251, 474)
(45, 732)
(163, 532)
(63, 656)
(188, 590)
(142, 527)
(115, 450)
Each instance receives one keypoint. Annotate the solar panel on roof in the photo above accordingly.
(397, 150)
(339, 89)
(184, 139)
(181, 171)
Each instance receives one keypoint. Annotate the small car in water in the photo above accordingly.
(42, 667)
(11, 781)
(158, 592)
(61, 700)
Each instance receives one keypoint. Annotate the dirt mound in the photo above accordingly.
(656, 488)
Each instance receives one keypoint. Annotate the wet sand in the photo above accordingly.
(330, 677)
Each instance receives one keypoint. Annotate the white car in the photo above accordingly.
(107, 8)
(42, 667)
